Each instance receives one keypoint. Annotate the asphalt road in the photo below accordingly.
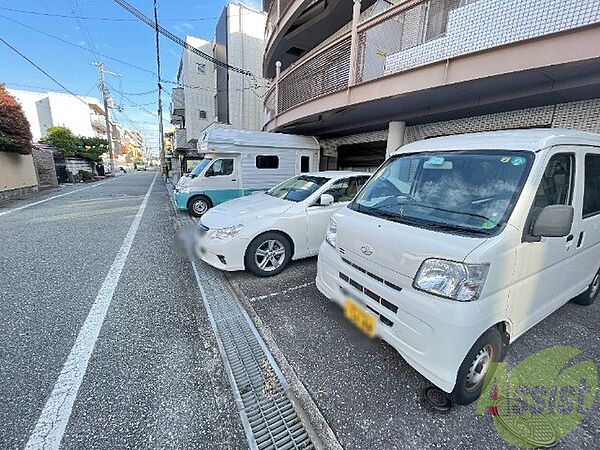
(370, 397)
(154, 378)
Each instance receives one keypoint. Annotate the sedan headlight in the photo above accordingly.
(224, 233)
(185, 190)
(452, 280)
(330, 236)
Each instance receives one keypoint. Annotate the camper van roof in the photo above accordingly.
(259, 139)
(533, 140)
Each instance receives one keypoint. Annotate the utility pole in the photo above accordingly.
(160, 109)
(105, 98)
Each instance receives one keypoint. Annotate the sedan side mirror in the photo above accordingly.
(326, 200)
(553, 221)
(192, 176)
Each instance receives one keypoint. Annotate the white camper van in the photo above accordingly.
(237, 163)
(458, 245)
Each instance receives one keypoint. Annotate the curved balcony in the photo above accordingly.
(295, 27)
(438, 59)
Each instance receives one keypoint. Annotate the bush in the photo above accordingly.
(68, 144)
(85, 175)
(15, 133)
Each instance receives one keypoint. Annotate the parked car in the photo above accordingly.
(141, 166)
(237, 163)
(458, 245)
(263, 232)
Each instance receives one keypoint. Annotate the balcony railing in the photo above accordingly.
(416, 33)
(177, 102)
(181, 139)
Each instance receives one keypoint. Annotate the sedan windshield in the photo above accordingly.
(298, 188)
(468, 191)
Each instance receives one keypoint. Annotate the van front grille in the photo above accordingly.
(372, 275)
(372, 295)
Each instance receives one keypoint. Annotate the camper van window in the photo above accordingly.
(220, 167)
(200, 167)
(304, 164)
(591, 195)
(267, 162)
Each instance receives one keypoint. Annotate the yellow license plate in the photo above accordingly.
(359, 317)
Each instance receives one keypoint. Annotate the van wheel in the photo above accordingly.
(268, 254)
(588, 297)
(198, 206)
(477, 365)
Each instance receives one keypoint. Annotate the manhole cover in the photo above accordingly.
(437, 399)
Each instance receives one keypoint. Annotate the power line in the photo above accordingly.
(43, 71)
(78, 46)
(107, 19)
(180, 41)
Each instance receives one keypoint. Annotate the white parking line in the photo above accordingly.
(51, 425)
(56, 196)
(285, 291)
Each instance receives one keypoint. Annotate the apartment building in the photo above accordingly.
(213, 95)
(82, 115)
(366, 76)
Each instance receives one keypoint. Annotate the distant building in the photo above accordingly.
(84, 116)
(211, 94)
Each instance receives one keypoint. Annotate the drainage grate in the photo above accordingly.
(268, 415)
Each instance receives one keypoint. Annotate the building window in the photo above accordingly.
(267, 162)
(202, 114)
(591, 193)
(200, 68)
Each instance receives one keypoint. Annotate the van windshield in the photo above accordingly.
(201, 166)
(470, 192)
(298, 188)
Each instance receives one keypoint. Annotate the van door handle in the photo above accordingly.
(234, 180)
(570, 238)
(580, 239)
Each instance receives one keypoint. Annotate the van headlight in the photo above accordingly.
(224, 233)
(330, 236)
(185, 190)
(452, 280)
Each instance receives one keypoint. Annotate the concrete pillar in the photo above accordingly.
(354, 44)
(395, 137)
(277, 75)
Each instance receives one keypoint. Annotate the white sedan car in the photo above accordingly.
(264, 231)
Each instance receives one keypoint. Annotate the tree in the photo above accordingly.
(15, 133)
(68, 144)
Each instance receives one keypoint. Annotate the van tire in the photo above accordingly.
(279, 243)
(469, 380)
(198, 206)
(591, 294)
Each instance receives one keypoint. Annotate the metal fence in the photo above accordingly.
(323, 73)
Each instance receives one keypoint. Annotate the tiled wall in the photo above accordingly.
(583, 115)
(486, 24)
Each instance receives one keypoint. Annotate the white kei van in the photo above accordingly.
(237, 163)
(458, 245)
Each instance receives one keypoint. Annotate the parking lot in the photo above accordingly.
(370, 397)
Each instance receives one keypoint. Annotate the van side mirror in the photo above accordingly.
(553, 221)
(326, 200)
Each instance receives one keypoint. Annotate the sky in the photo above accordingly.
(102, 26)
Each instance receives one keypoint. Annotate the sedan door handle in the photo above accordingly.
(569, 238)
(234, 180)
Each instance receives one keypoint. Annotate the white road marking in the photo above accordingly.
(51, 425)
(285, 291)
(56, 196)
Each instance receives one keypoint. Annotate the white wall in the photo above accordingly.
(245, 49)
(199, 89)
(28, 103)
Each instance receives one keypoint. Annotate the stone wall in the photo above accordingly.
(43, 158)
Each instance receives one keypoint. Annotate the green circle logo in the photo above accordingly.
(542, 399)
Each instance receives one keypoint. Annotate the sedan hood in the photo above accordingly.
(398, 247)
(241, 210)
